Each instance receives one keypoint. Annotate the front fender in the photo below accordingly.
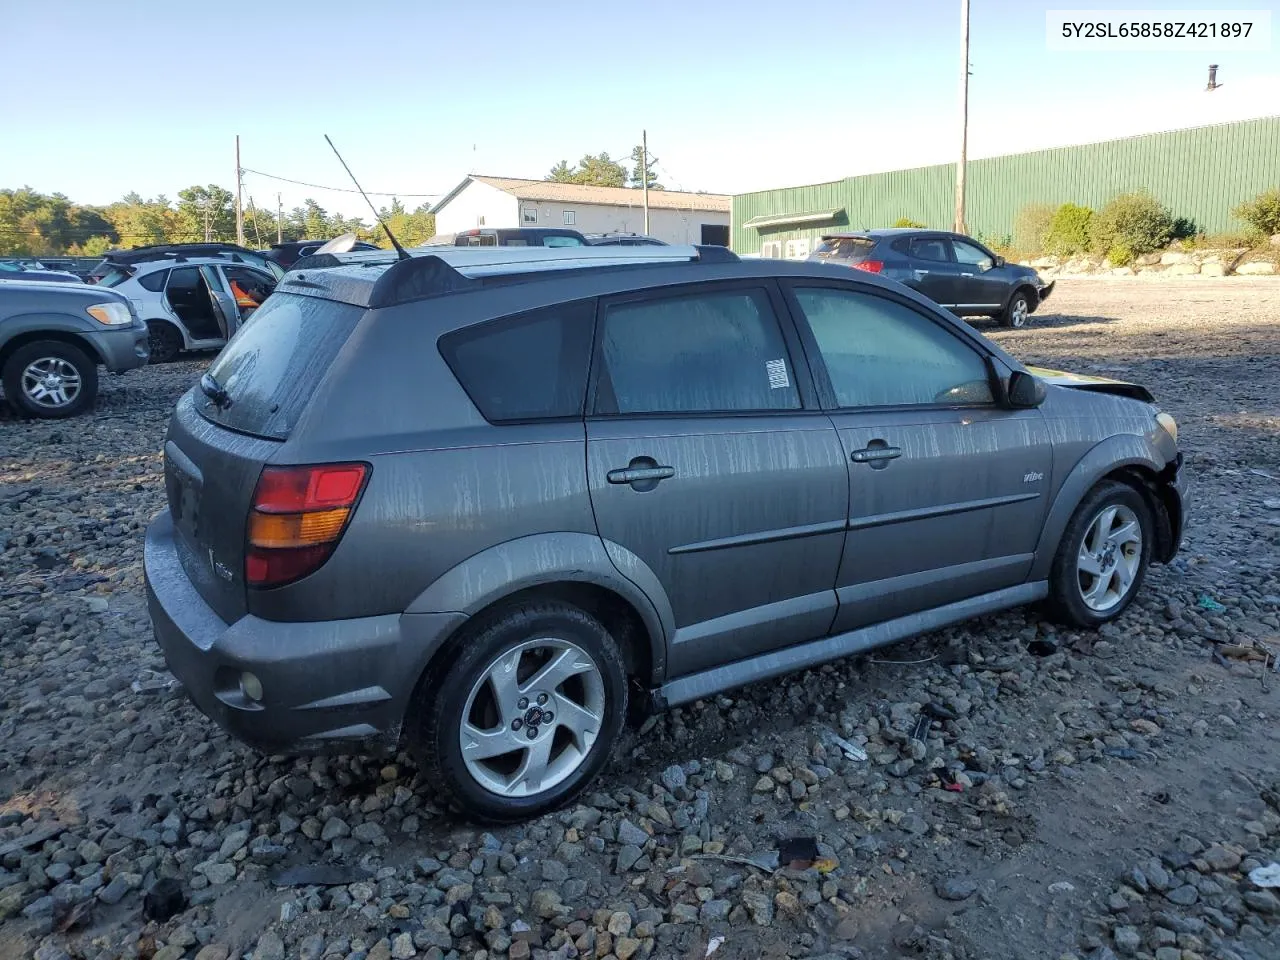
(53, 322)
(504, 569)
(1109, 455)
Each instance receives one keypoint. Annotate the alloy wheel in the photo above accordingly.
(1110, 557)
(51, 382)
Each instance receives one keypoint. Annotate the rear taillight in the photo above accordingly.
(298, 516)
(871, 266)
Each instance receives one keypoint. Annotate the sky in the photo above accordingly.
(148, 96)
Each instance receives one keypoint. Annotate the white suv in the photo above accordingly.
(192, 303)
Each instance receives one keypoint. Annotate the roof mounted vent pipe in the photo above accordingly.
(1213, 78)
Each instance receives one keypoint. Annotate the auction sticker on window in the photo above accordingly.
(777, 370)
(1204, 30)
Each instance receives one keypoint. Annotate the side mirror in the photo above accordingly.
(1000, 261)
(1025, 390)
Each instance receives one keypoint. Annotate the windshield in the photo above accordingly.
(115, 276)
(272, 365)
(844, 248)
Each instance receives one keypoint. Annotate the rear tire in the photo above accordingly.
(520, 731)
(50, 379)
(1018, 311)
(166, 341)
(1103, 557)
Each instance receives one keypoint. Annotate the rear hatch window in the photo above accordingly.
(272, 365)
(844, 248)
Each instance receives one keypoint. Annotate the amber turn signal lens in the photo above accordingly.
(286, 530)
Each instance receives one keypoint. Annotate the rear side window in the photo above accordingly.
(933, 249)
(844, 248)
(272, 365)
(715, 351)
(530, 366)
(154, 281)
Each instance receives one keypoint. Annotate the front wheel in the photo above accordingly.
(1103, 557)
(50, 379)
(166, 341)
(1018, 311)
(526, 714)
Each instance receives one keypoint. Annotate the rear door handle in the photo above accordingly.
(966, 274)
(874, 454)
(920, 273)
(640, 474)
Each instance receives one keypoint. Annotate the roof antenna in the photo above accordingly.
(400, 252)
(1213, 78)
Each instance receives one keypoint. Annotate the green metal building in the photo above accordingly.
(1200, 173)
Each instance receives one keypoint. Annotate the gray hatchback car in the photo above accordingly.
(471, 502)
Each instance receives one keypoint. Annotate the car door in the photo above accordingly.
(248, 288)
(222, 302)
(980, 287)
(709, 462)
(933, 272)
(947, 489)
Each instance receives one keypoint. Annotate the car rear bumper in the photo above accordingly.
(122, 350)
(328, 685)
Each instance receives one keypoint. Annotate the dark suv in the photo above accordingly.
(952, 270)
(470, 501)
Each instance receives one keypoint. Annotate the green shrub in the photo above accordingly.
(1262, 212)
(909, 223)
(1121, 254)
(1137, 222)
(1031, 226)
(1069, 231)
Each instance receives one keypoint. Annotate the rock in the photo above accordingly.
(1275, 239)
(1171, 257)
(1062, 886)
(1183, 269)
(1184, 896)
(369, 832)
(624, 948)
(311, 948)
(764, 763)
(553, 871)
(1221, 859)
(1212, 269)
(724, 772)
(764, 785)
(628, 832)
(402, 947)
(955, 888)
(115, 891)
(216, 951)
(684, 913)
(1168, 953)
(619, 923)
(220, 873)
(171, 952)
(234, 841)
(759, 908)
(1256, 268)
(673, 777)
(519, 950)
(1261, 901)
(165, 899)
(334, 828)
(1144, 727)
(546, 904)
(1127, 940)
(270, 947)
(714, 911)
(627, 857)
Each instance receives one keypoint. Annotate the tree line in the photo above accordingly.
(37, 224)
(601, 170)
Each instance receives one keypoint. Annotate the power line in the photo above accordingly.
(320, 186)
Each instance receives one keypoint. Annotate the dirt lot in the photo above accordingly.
(1113, 795)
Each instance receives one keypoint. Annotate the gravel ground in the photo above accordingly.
(1026, 792)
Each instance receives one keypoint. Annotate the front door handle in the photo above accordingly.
(640, 474)
(920, 273)
(966, 274)
(875, 454)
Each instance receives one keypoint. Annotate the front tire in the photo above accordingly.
(1018, 311)
(50, 379)
(166, 341)
(524, 716)
(1103, 557)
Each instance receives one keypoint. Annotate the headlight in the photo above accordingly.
(110, 314)
(1170, 425)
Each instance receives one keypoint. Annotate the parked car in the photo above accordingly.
(511, 237)
(955, 271)
(407, 505)
(623, 240)
(192, 303)
(290, 252)
(115, 259)
(12, 270)
(54, 336)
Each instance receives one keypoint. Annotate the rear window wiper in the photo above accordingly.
(215, 391)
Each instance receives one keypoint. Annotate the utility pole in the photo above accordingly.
(964, 116)
(644, 175)
(279, 219)
(207, 232)
(239, 206)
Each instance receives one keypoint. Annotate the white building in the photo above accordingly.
(674, 216)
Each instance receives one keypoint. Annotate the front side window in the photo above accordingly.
(531, 366)
(971, 255)
(880, 353)
(713, 351)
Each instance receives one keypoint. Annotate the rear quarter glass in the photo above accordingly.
(271, 367)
